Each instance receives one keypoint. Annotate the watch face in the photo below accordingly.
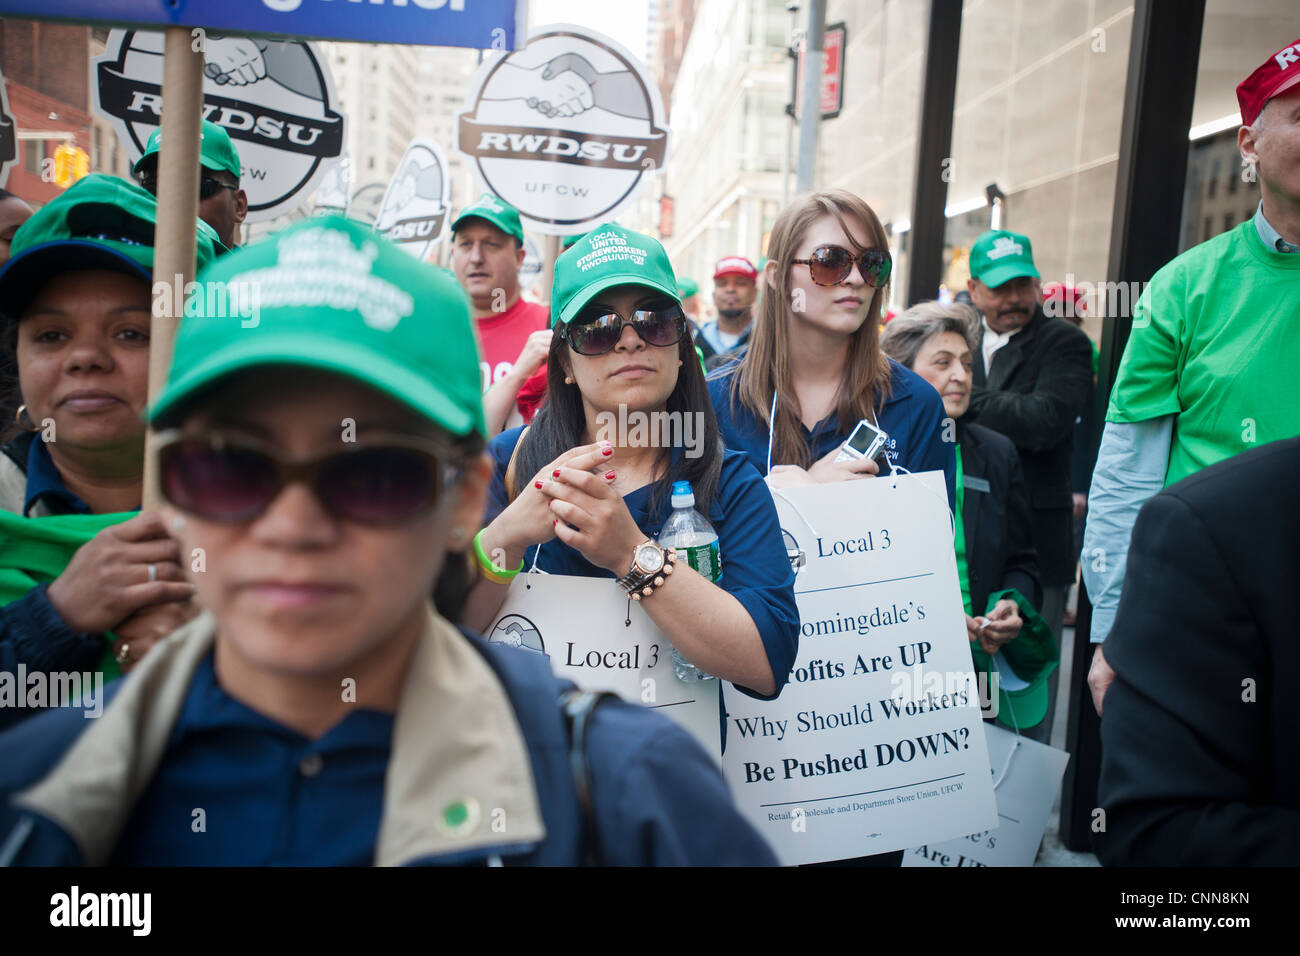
(649, 558)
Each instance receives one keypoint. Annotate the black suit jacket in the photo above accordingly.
(1200, 767)
(1036, 388)
(995, 516)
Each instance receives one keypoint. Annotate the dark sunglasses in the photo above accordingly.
(233, 479)
(597, 330)
(831, 265)
(208, 187)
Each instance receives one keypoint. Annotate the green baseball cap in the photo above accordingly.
(570, 240)
(99, 222)
(687, 288)
(999, 256)
(329, 293)
(216, 151)
(501, 214)
(1023, 666)
(607, 256)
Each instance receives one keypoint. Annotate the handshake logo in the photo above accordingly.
(564, 128)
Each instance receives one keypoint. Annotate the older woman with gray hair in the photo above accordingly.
(996, 561)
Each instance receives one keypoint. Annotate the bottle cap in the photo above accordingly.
(683, 494)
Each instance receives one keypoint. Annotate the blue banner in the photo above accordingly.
(478, 24)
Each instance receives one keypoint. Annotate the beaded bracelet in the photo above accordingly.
(495, 574)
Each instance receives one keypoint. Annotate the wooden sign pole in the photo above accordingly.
(550, 252)
(178, 208)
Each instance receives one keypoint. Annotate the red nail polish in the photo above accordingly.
(538, 484)
(555, 522)
(607, 452)
(609, 476)
(555, 473)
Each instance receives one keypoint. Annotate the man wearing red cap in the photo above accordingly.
(1209, 370)
(735, 287)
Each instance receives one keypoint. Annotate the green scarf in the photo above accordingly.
(36, 550)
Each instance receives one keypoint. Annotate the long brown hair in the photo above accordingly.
(766, 366)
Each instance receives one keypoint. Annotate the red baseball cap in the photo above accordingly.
(736, 266)
(1059, 291)
(1280, 72)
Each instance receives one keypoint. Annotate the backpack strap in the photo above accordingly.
(576, 709)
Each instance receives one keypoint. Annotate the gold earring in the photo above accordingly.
(28, 425)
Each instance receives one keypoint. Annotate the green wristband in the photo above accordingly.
(489, 567)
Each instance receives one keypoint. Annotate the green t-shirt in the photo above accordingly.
(1216, 342)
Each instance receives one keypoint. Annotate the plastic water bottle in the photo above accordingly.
(689, 534)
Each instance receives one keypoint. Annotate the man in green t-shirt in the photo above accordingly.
(1209, 369)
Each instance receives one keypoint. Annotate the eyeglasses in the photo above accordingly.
(208, 186)
(597, 330)
(831, 265)
(233, 479)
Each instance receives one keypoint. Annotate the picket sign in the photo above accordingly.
(1026, 776)
(415, 210)
(580, 623)
(875, 743)
(564, 129)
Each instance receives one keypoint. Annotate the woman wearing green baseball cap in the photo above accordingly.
(322, 467)
(76, 304)
(585, 491)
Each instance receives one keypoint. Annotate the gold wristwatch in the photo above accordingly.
(651, 565)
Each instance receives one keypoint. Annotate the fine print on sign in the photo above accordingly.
(875, 744)
(275, 98)
(591, 636)
(414, 213)
(565, 128)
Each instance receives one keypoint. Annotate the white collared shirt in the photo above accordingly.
(992, 342)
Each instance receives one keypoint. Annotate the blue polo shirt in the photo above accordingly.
(45, 482)
(913, 417)
(755, 567)
(267, 792)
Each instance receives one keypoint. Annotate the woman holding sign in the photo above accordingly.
(814, 368)
(329, 462)
(585, 490)
(76, 303)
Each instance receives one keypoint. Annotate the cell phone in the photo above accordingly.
(867, 441)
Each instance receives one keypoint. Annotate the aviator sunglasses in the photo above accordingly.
(596, 330)
(208, 186)
(831, 265)
(231, 479)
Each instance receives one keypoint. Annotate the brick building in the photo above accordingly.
(47, 82)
